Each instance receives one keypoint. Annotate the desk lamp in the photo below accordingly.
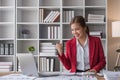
(116, 33)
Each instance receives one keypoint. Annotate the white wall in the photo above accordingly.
(113, 43)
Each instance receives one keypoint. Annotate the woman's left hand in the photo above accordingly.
(93, 70)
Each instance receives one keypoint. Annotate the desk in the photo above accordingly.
(7, 73)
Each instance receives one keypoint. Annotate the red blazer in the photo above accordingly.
(96, 54)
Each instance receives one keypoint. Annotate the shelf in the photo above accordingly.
(51, 3)
(95, 22)
(103, 39)
(73, 2)
(95, 2)
(7, 56)
(6, 39)
(29, 8)
(96, 7)
(74, 7)
(6, 7)
(48, 56)
(19, 16)
(45, 39)
(27, 3)
(27, 23)
(7, 3)
(22, 46)
(88, 23)
(26, 39)
(4, 17)
(50, 7)
(6, 23)
(54, 23)
(7, 31)
(27, 15)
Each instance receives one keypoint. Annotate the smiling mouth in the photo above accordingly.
(77, 35)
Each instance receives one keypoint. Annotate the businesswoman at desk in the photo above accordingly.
(83, 52)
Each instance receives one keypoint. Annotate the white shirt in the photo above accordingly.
(83, 55)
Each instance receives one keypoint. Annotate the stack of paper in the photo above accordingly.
(17, 77)
(95, 18)
(68, 78)
(109, 75)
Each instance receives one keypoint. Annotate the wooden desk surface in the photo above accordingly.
(7, 73)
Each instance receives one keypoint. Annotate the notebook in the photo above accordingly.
(28, 66)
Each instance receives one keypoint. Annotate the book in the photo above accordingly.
(2, 49)
(11, 48)
(49, 50)
(5, 63)
(48, 32)
(95, 32)
(4, 70)
(51, 16)
(55, 32)
(56, 17)
(95, 18)
(6, 48)
(45, 43)
(42, 15)
(5, 66)
(48, 64)
(52, 65)
(47, 17)
(48, 47)
(47, 54)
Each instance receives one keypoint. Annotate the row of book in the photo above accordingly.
(47, 64)
(52, 16)
(96, 33)
(6, 48)
(5, 66)
(68, 15)
(95, 18)
(53, 32)
(47, 49)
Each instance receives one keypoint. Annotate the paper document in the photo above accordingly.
(110, 75)
(78, 74)
(17, 77)
(71, 76)
(68, 78)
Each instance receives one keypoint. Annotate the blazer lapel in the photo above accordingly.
(91, 50)
(73, 51)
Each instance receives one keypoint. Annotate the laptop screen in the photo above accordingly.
(27, 64)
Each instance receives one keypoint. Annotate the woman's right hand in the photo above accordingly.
(59, 49)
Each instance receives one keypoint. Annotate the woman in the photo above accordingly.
(83, 52)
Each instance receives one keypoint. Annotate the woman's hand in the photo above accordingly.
(93, 70)
(59, 49)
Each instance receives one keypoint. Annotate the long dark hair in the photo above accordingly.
(81, 21)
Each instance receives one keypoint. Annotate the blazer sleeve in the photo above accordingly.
(65, 58)
(101, 59)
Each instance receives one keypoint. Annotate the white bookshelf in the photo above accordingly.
(7, 35)
(20, 16)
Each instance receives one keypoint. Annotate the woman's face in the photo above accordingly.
(77, 30)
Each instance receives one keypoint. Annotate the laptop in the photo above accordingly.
(28, 66)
